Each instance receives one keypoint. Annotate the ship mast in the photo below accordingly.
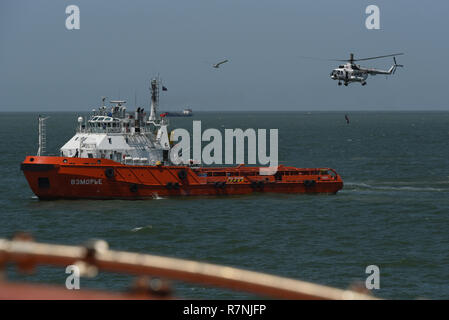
(42, 136)
(154, 89)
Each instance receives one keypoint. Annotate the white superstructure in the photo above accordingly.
(113, 133)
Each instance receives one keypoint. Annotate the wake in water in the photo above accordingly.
(157, 197)
(360, 186)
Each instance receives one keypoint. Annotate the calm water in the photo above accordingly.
(392, 212)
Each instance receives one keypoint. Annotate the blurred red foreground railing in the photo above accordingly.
(96, 256)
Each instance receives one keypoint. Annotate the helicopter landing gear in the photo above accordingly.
(346, 84)
(339, 83)
(363, 83)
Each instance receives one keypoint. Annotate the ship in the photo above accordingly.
(185, 113)
(116, 154)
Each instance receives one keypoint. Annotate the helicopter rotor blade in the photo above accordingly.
(396, 64)
(378, 57)
(352, 59)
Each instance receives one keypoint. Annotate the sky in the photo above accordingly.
(122, 44)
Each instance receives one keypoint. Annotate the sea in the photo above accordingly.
(393, 211)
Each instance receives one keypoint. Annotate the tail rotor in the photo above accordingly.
(396, 65)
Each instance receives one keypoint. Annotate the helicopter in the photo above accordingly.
(351, 72)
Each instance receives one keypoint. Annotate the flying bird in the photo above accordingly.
(217, 65)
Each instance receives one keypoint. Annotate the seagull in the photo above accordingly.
(217, 65)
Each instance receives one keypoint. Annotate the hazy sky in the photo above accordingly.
(121, 44)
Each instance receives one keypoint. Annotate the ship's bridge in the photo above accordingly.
(107, 124)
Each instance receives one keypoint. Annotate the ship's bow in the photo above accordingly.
(41, 174)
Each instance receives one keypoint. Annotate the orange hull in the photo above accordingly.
(86, 178)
